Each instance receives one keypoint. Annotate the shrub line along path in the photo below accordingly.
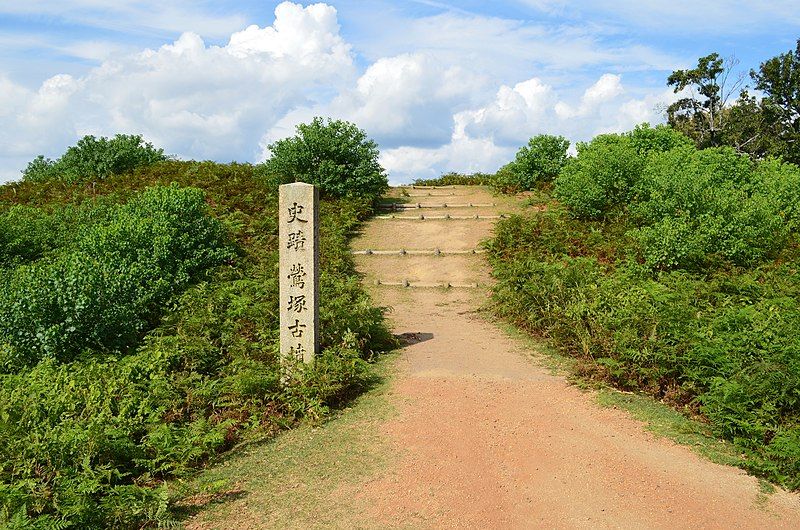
(487, 437)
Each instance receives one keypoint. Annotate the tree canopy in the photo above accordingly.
(716, 108)
(779, 79)
(335, 155)
(708, 87)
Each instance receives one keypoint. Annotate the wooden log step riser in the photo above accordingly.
(425, 285)
(432, 195)
(439, 217)
(411, 252)
(433, 206)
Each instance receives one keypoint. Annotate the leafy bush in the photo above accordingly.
(335, 155)
(95, 159)
(28, 233)
(697, 204)
(780, 182)
(505, 180)
(22, 235)
(603, 176)
(93, 442)
(690, 209)
(537, 162)
(658, 139)
(686, 179)
(110, 289)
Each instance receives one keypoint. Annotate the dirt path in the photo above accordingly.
(486, 438)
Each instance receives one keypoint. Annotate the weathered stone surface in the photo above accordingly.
(299, 270)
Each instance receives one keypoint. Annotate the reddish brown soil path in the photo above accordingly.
(488, 438)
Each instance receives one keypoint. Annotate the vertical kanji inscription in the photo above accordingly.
(299, 270)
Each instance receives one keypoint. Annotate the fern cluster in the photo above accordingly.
(168, 277)
(673, 271)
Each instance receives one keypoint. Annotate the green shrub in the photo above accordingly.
(696, 205)
(456, 179)
(780, 182)
(658, 139)
(106, 292)
(505, 180)
(688, 180)
(22, 234)
(537, 162)
(335, 155)
(89, 443)
(95, 159)
(602, 177)
(28, 233)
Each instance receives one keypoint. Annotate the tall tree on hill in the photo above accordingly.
(749, 126)
(779, 79)
(708, 89)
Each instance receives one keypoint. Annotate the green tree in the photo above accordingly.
(709, 87)
(750, 127)
(542, 159)
(779, 79)
(335, 155)
(95, 159)
(537, 162)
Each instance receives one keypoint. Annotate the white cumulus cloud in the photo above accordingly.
(196, 100)
(408, 99)
(486, 137)
(437, 106)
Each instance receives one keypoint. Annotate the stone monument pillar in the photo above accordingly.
(298, 229)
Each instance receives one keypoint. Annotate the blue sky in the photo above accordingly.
(440, 85)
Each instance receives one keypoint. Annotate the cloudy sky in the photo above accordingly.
(440, 85)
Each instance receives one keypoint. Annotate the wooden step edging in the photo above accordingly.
(439, 217)
(419, 252)
(406, 206)
(453, 194)
(426, 285)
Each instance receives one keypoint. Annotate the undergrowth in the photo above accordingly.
(675, 272)
(91, 434)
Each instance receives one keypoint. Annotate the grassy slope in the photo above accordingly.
(213, 353)
(659, 418)
(304, 478)
(629, 335)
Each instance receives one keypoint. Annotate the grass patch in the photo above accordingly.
(93, 439)
(303, 478)
(659, 418)
(666, 422)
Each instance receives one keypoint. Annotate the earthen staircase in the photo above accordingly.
(430, 237)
